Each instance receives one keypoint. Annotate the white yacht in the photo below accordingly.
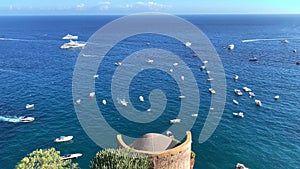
(238, 92)
(141, 98)
(29, 106)
(150, 60)
(181, 97)
(235, 77)
(175, 121)
(258, 102)
(231, 46)
(104, 101)
(70, 37)
(123, 102)
(71, 156)
(212, 91)
(246, 89)
(63, 139)
(25, 119)
(188, 44)
(239, 114)
(276, 97)
(235, 102)
(72, 44)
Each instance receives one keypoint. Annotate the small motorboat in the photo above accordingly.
(171, 70)
(104, 101)
(175, 64)
(72, 44)
(235, 77)
(240, 166)
(71, 156)
(63, 139)
(26, 119)
(148, 110)
(294, 51)
(251, 94)
(258, 102)
(169, 134)
(78, 101)
(202, 68)
(188, 44)
(276, 97)
(207, 72)
(205, 62)
(70, 37)
(175, 121)
(123, 102)
(150, 61)
(210, 79)
(181, 97)
(195, 115)
(212, 91)
(246, 89)
(253, 59)
(231, 46)
(285, 41)
(238, 92)
(118, 63)
(182, 77)
(95, 76)
(29, 106)
(92, 95)
(235, 102)
(239, 114)
(141, 98)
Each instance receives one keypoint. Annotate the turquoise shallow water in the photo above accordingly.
(33, 69)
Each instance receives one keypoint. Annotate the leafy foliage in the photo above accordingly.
(45, 159)
(119, 159)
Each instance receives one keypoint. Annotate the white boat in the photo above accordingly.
(150, 60)
(285, 41)
(181, 97)
(210, 79)
(182, 77)
(253, 59)
(123, 102)
(294, 51)
(246, 89)
(148, 110)
(194, 115)
(70, 37)
(231, 46)
(276, 97)
(104, 101)
(212, 91)
(202, 68)
(92, 95)
(188, 44)
(258, 102)
(235, 102)
(71, 156)
(239, 114)
(175, 121)
(251, 94)
(175, 64)
(171, 70)
(205, 62)
(207, 72)
(95, 76)
(141, 98)
(78, 101)
(169, 134)
(26, 119)
(235, 77)
(63, 139)
(72, 44)
(240, 166)
(29, 106)
(238, 92)
(118, 63)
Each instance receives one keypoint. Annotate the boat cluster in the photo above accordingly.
(62, 139)
(71, 43)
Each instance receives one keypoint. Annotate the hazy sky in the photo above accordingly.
(82, 7)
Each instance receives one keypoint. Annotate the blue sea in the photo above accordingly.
(33, 69)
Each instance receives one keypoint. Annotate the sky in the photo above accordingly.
(123, 7)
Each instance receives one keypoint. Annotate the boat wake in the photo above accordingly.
(10, 119)
(12, 39)
(255, 40)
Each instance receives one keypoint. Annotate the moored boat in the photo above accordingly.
(235, 102)
(238, 92)
(29, 106)
(175, 121)
(71, 156)
(63, 139)
(239, 114)
(240, 166)
(231, 46)
(212, 91)
(258, 102)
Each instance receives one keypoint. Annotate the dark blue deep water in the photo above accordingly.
(33, 69)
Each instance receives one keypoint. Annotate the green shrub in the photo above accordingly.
(45, 159)
(119, 159)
